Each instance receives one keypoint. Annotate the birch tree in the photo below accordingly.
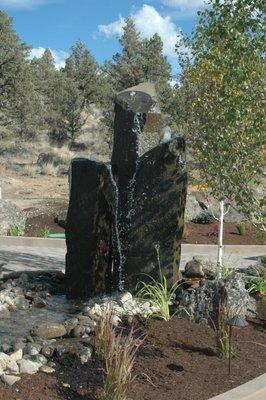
(220, 102)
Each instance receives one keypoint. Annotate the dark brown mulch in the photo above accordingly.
(177, 362)
(207, 234)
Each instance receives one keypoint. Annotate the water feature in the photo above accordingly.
(118, 211)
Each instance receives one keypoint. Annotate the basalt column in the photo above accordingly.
(152, 189)
(91, 238)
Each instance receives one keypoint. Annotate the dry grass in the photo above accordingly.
(30, 170)
(64, 153)
(49, 169)
(2, 169)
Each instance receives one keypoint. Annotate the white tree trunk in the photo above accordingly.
(220, 240)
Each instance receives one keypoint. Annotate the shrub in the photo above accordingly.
(15, 230)
(242, 230)
(158, 291)
(205, 217)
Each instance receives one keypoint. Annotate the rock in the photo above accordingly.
(202, 303)
(76, 347)
(19, 345)
(194, 269)
(155, 180)
(39, 358)
(70, 324)
(115, 320)
(10, 215)
(126, 297)
(89, 229)
(28, 366)
(38, 302)
(46, 369)
(4, 360)
(10, 379)
(254, 270)
(12, 367)
(193, 208)
(49, 331)
(32, 349)
(78, 331)
(47, 351)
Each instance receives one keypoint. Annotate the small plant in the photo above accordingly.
(119, 361)
(158, 291)
(259, 235)
(223, 330)
(258, 285)
(119, 352)
(225, 271)
(242, 229)
(30, 170)
(263, 261)
(44, 232)
(49, 169)
(15, 230)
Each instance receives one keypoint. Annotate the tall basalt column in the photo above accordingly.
(92, 242)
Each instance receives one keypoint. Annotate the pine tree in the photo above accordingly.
(12, 57)
(84, 69)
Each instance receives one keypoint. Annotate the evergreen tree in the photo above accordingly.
(12, 59)
(84, 69)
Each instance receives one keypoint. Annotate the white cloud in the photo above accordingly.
(22, 3)
(148, 22)
(58, 55)
(185, 5)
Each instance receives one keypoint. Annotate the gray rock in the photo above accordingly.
(32, 349)
(10, 379)
(78, 331)
(202, 303)
(39, 358)
(47, 351)
(46, 369)
(28, 366)
(77, 347)
(49, 331)
(10, 215)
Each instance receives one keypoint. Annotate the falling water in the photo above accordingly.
(117, 233)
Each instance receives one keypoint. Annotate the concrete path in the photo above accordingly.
(27, 254)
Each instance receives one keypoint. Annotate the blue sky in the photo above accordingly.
(57, 24)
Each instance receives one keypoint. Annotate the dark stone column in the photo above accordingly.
(157, 213)
(92, 243)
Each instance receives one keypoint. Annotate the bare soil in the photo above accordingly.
(177, 362)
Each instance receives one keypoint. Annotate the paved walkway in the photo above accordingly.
(49, 254)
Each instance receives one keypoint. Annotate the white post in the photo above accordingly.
(220, 240)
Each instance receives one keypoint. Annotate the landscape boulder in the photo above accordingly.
(49, 331)
(10, 215)
(202, 302)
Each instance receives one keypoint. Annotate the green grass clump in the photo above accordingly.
(158, 291)
(44, 232)
(15, 230)
(258, 285)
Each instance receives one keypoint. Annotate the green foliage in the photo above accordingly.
(158, 291)
(242, 230)
(12, 60)
(263, 260)
(260, 235)
(205, 217)
(219, 102)
(15, 230)
(257, 284)
(44, 232)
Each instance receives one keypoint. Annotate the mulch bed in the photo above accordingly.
(177, 362)
(207, 234)
(194, 233)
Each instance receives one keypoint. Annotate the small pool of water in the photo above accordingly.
(19, 323)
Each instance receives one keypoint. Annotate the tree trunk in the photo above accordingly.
(220, 241)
